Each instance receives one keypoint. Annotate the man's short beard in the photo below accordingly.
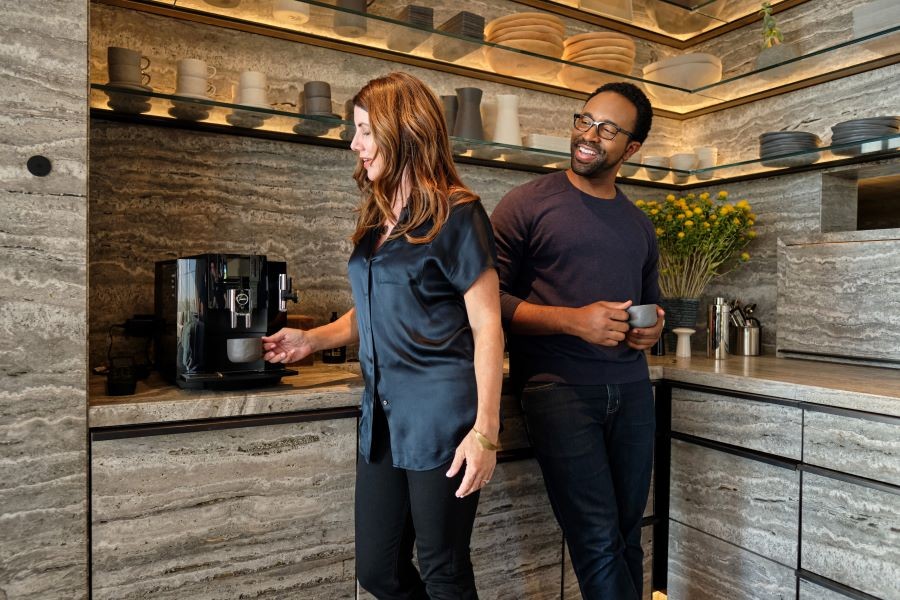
(596, 167)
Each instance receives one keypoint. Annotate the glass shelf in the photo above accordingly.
(677, 20)
(249, 120)
(405, 42)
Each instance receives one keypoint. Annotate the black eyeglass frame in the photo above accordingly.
(598, 124)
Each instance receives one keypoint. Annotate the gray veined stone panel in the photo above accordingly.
(851, 534)
(43, 483)
(570, 582)
(751, 504)
(771, 428)
(702, 567)
(856, 446)
(258, 511)
(43, 78)
(840, 299)
(516, 544)
(812, 591)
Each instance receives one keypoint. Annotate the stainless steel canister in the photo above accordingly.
(718, 317)
(746, 340)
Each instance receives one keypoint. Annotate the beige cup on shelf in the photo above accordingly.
(194, 67)
(194, 86)
(252, 79)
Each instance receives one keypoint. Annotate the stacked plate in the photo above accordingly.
(604, 50)
(538, 33)
(774, 144)
(857, 130)
(464, 24)
(407, 39)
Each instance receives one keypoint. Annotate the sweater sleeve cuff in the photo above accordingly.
(508, 306)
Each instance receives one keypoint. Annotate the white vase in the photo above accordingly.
(506, 126)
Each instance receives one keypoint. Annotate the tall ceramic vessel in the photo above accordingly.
(506, 129)
(468, 117)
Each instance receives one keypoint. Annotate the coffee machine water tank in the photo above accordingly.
(215, 308)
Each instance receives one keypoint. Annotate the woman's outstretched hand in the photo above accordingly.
(287, 346)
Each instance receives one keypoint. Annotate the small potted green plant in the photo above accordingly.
(774, 51)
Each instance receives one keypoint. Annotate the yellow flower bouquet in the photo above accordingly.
(699, 238)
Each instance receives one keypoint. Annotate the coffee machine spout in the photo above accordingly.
(285, 292)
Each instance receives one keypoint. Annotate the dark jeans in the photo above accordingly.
(595, 448)
(396, 508)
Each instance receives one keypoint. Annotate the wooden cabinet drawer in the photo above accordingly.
(850, 442)
(851, 534)
(751, 504)
(766, 427)
(702, 567)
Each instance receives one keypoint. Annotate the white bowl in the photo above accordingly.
(686, 75)
(656, 161)
(693, 57)
(684, 161)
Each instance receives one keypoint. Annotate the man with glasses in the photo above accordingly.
(573, 254)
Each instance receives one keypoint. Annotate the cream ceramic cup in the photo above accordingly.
(251, 96)
(197, 86)
(195, 67)
(252, 79)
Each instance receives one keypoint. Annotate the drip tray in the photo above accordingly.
(232, 380)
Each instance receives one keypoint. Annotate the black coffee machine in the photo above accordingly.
(212, 310)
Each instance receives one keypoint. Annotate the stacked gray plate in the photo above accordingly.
(774, 145)
(858, 130)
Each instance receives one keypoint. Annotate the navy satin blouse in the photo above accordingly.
(415, 344)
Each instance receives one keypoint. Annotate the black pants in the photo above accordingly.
(396, 508)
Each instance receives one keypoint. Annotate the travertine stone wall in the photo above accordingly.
(839, 296)
(180, 193)
(42, 301)
(167, 192)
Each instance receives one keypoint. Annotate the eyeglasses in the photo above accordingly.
(605, 130)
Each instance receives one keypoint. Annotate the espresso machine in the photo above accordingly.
(213, 310)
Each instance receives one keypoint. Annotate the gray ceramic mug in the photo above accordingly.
(642, 315)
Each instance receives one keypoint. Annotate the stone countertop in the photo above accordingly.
(323, 386)
(319, 386)
(870, 389)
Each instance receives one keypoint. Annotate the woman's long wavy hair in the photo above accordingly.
(407, 123)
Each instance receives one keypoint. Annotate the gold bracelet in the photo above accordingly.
(485, 443)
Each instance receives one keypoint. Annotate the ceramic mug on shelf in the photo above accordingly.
(252, 79)
(195, 67)
(127, 74)
(126, 56)
(194, 86)
(127, 66)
